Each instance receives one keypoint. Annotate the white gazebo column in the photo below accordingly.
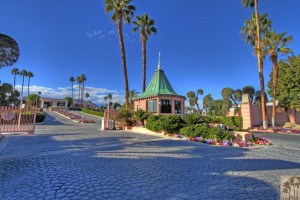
(42, 104)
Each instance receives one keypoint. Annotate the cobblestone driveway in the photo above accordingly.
(65, 160)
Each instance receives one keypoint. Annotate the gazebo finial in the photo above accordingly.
(158, 67)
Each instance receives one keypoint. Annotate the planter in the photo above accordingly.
(242, 136)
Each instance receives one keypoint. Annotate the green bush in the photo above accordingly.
(219, 134)
(195, 130)
(172, 123)
(126, 115)
(193, 118)
(233, 122)
(154, 123)
(40, 117)
(92, 112)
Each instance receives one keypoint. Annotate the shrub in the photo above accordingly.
(219, 134)
(92, 112)
(141, 115)
(193, 118)
(234, 122)
(40, 117)
(195, 130)
(172, 123)
(126, 115)
(154, 123)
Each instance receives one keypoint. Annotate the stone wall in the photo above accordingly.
(252, 114)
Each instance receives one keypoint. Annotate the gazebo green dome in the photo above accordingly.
(159, 85)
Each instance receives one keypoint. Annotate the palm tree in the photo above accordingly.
(83, 79)
(79, 81)
(29, 75)
(146, 25)
(23, 73)
(256, 41)
(121, 11)
(275, 44)
(72, 80)
(132, 95)
(87, 95)
(15, 72)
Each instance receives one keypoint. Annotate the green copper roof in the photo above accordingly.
(159, 85)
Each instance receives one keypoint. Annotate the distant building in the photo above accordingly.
(47, 102)
(159, 97)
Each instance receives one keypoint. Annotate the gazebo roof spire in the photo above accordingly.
(158, 66)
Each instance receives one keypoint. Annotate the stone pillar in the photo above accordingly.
(173, 106)
(158, 106)
(246, 111)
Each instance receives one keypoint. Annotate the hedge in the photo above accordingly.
(40, 116)
(92, 112)
(170, 123)
(233, 122)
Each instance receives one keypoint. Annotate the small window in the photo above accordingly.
(166, 106)
(152, 106)
(177, 107)
(139, 107)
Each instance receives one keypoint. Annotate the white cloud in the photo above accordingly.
(96, 94)
(108, 34)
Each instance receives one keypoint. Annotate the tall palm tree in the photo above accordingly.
(79, 81)
(72, 80)
(258, 52)
(23, 73)
(15, 72)
(29, 75)
(122, 11)
(83, 79)
(275, 44)
(146, 25)
(254, 4)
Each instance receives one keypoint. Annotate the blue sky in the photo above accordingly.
(200, 43)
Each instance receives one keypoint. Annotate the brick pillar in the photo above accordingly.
(173, 106)
(246, 111)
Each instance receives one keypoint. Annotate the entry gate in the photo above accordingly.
(13, 120)
(109, 120)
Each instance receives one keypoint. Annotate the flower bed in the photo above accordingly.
(75, 118)
(286, 130)
(224, 143)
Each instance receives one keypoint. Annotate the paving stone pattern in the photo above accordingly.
(65, 160)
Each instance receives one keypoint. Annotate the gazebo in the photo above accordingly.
(159, 97)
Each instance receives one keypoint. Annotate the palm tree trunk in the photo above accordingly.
(79, 90)
(21, 102)
(260, 69)
(15, 82)
(144, 51)
(28, 87)
(82, 93)
(275, 79)
(120, 32)
(72, 91)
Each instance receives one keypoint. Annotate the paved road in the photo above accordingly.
(65, 160)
